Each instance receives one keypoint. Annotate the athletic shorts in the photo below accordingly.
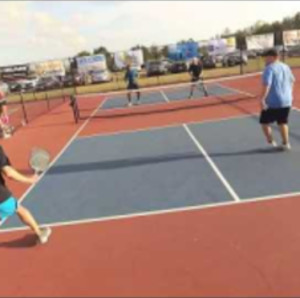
(133, 86)
(195, 79)
(8, 208)
(280, 116)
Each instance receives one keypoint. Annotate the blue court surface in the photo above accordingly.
(164, 169)
(172, 94)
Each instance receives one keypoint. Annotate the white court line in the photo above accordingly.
(236, 90)
(132, 131)
(165, 97)
(58, 156)
(158, 212)
(228, 187)
(213, 165)
(296, 109)
(279, 196)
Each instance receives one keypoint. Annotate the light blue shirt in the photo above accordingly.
(279, 77)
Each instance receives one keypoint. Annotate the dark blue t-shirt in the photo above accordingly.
(131, 76)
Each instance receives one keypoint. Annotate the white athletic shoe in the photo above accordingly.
(129, 104)
(6, 135)
(45, 234)
(286, 147)
(273, 144)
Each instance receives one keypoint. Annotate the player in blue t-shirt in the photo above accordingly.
(277, 97)
(131, 76)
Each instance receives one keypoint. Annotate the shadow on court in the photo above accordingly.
(28, 241)
(135, 162)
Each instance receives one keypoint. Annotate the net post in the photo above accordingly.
(34, 95)
(47, 99)
(23, 108)
(242, 61)
(116, 79)
(75, 108)
(63, 93)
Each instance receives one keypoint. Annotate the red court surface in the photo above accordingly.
(241, 250)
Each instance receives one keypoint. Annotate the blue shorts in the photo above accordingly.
(8, 208)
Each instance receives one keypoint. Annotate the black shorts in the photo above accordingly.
(280, 116)
(133, 86)
(195, 79)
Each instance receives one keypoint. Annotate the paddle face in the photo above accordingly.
(39, 160)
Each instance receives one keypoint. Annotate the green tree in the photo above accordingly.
(83, 53)
(109, 56)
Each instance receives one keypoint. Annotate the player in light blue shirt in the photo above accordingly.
(277, 97)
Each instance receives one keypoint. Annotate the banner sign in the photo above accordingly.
(49, 68)
(221, 46)
(90, 63)
(291, 37)
(183, 51)
(14, 72)
(135, 57)
(260, 42)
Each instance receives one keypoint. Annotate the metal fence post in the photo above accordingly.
(23, 108)
(47, 99)
(242, 62)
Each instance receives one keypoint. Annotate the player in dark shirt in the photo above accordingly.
(9, 205)
(131, 76)
(195, 71)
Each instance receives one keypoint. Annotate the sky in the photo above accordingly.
(40, 30)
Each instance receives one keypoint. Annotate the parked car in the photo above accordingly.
(251, 54)
(23, 85)
(167, 64)
(282, 49)
(294, 51)
(70, 80)
(28, 84)
(178, 66)
(100, 76)
(218, 58)
(259, 52)
(209, 62)
(47, 83)
(14, 87)
(156, 68)
(235, 58)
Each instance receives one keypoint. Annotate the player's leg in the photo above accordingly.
(267, 130)
(192, 90)
(202, 86)
(138, 93)
(27, 218)
(283, 115)
(129, 96)
(138, 96)
(284, 131)
(266, 118)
